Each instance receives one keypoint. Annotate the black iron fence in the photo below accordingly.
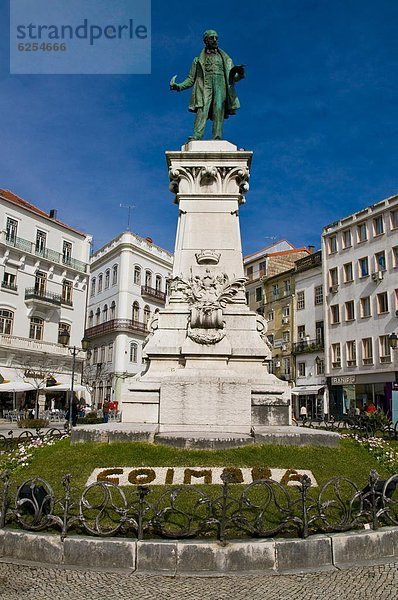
(265, 508)
(375, 425)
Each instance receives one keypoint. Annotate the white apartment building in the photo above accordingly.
(310, 388)
(128, 283)
(360, 255)
(44, 277)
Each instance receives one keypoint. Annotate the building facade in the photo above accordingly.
(310, 390)
(128, 283)
(44, 267)
(360, 256)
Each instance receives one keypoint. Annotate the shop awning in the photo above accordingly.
(65, 387)
(307, 390)
(16, 386)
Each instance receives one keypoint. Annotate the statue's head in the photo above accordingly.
(210, 38)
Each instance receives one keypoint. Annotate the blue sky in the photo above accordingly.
(319, 111)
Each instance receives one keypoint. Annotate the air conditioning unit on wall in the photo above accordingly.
(378, 276)
(333, 289)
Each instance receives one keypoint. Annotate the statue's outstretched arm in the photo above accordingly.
(188, 82)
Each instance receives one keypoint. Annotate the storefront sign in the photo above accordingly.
(344, 380)
(30, 373)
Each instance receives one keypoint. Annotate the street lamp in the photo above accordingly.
(393, 339)
(64, 337)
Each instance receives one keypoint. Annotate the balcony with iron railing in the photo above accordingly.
(153, 294)
(307, 345)
(14, 342)
(116, 325)
(35, 294)
(46, 253)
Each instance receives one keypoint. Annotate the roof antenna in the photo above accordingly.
(129, 206)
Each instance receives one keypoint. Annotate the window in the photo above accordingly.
(382, 303)
(136, 312)
(270, 338)
(247, 297)
(114, 274)
(332, 244)
(287, 286)
(301, 369)
(275, 290)
(95, 355)
(112, 310)
(363, 267)
(90, 318)
(6, 321)
(333, 276)
(270, 315)
(263, 267)
(61, 328)
(66, 253)
(318, 293)
(36, 328)
(286, 366)
(378, 226)
(349, 310)
(362, 232)
(336, 356)
(367, 351)
(300, 300)
(41, 238)
(335, 314)
(249, 272)
(99, 287)
(93, 282)
(380, 261)
(147, 315)
(148, 279)
(11, 229)
(9, 281)
(395, 256)
(97, 316)
(286, 311)
(133, 352)
(301, 332)
(286, 336)
(137, 275)
(348, 276)
(110, 352)
(394, 219)
(351, 353)
(66, 297)
(365, 307)
(384, 349)
(105, 314)
(259, 294)
(102, 355)
(319, 333)
(158, 283)
(40, 283)
(319, 366)
(107, 278)
(347, 240)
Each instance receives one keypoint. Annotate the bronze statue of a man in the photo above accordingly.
(212, 76)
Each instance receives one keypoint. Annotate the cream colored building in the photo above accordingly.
(44, 266)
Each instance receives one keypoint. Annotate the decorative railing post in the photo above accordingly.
(4, 499)
(305, 484)
(143, 491)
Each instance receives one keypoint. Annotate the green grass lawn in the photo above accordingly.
(52, 462)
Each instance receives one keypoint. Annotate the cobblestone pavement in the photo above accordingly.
(22, 582)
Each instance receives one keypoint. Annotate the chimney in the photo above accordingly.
(311, 249)
(53, 213)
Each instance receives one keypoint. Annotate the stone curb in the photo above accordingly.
(186, 557)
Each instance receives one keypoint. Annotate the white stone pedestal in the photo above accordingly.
(208, 354)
